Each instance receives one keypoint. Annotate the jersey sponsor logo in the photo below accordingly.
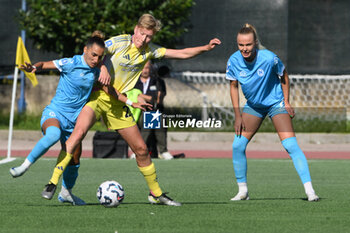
(261, 72)
(243, 73)
(108, 43)
(127, 56)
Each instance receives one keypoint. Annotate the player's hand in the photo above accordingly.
(140, 99)
(142, 106)
(239, 126)
(289, 109)
(104, 77)
(214, 42)
(28, 67)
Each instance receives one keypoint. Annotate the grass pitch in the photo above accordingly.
(204, 186)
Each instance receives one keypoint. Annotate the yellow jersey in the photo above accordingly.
(125, 62)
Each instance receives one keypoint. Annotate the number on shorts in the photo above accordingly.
(127, 110)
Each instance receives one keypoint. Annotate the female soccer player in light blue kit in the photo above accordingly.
(265, 84)
(77, 77)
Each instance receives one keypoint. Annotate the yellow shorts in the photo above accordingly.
(114, 113)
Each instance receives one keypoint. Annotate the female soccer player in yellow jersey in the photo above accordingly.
(126, 56)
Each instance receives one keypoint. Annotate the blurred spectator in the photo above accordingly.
(153, 91)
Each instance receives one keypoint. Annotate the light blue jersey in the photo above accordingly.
(259, 79)
(74, 87)
(72, 93)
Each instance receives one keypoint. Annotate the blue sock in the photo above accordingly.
(298, 157)
(70, 175)
(52, 135)
(239, 158)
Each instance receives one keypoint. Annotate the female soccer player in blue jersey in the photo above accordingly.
(265, 84)
(77, 77)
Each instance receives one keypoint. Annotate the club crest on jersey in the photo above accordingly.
(275, 60)
(243, 73)
(261, 72)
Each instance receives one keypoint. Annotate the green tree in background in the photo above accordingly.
(62, 26)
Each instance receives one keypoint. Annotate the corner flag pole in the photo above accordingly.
(21, 104)
(8, 158)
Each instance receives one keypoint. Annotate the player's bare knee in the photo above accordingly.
(141, 151)
(78, 134)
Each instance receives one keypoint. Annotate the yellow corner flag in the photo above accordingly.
(21, 57)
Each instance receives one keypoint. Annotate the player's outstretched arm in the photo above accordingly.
(191, 52)
(41, 65)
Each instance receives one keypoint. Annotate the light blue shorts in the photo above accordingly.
(66, 126)
(271, 111)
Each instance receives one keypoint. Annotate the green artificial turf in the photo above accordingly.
(204, 186)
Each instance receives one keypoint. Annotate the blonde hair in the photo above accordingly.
(248, 28)
(149, 22)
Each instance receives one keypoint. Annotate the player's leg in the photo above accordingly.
(70, 176)
(84, 122)
(51, 131)
(239, 159)
(145, 134)
(284, 127)
(134, 139)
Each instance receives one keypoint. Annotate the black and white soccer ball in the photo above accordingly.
(110, 193)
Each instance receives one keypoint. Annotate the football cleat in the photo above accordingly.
(240, 197)
(17, 171)
(312, 197)
(67, 196)
(162, 200)
(48, 191)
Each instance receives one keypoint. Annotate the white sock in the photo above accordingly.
(64, 190)
(308, 188)
(242, 187)
(26, 164)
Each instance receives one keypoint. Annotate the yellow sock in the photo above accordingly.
(150, 175)
(62, 162)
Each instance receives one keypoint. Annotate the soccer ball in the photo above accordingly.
(110, 193)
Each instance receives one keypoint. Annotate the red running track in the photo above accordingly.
(214, 154)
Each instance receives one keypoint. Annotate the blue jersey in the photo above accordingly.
(259, 79)
(74, 87)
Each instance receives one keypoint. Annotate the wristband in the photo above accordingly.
(129, 102)
(34, 67)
